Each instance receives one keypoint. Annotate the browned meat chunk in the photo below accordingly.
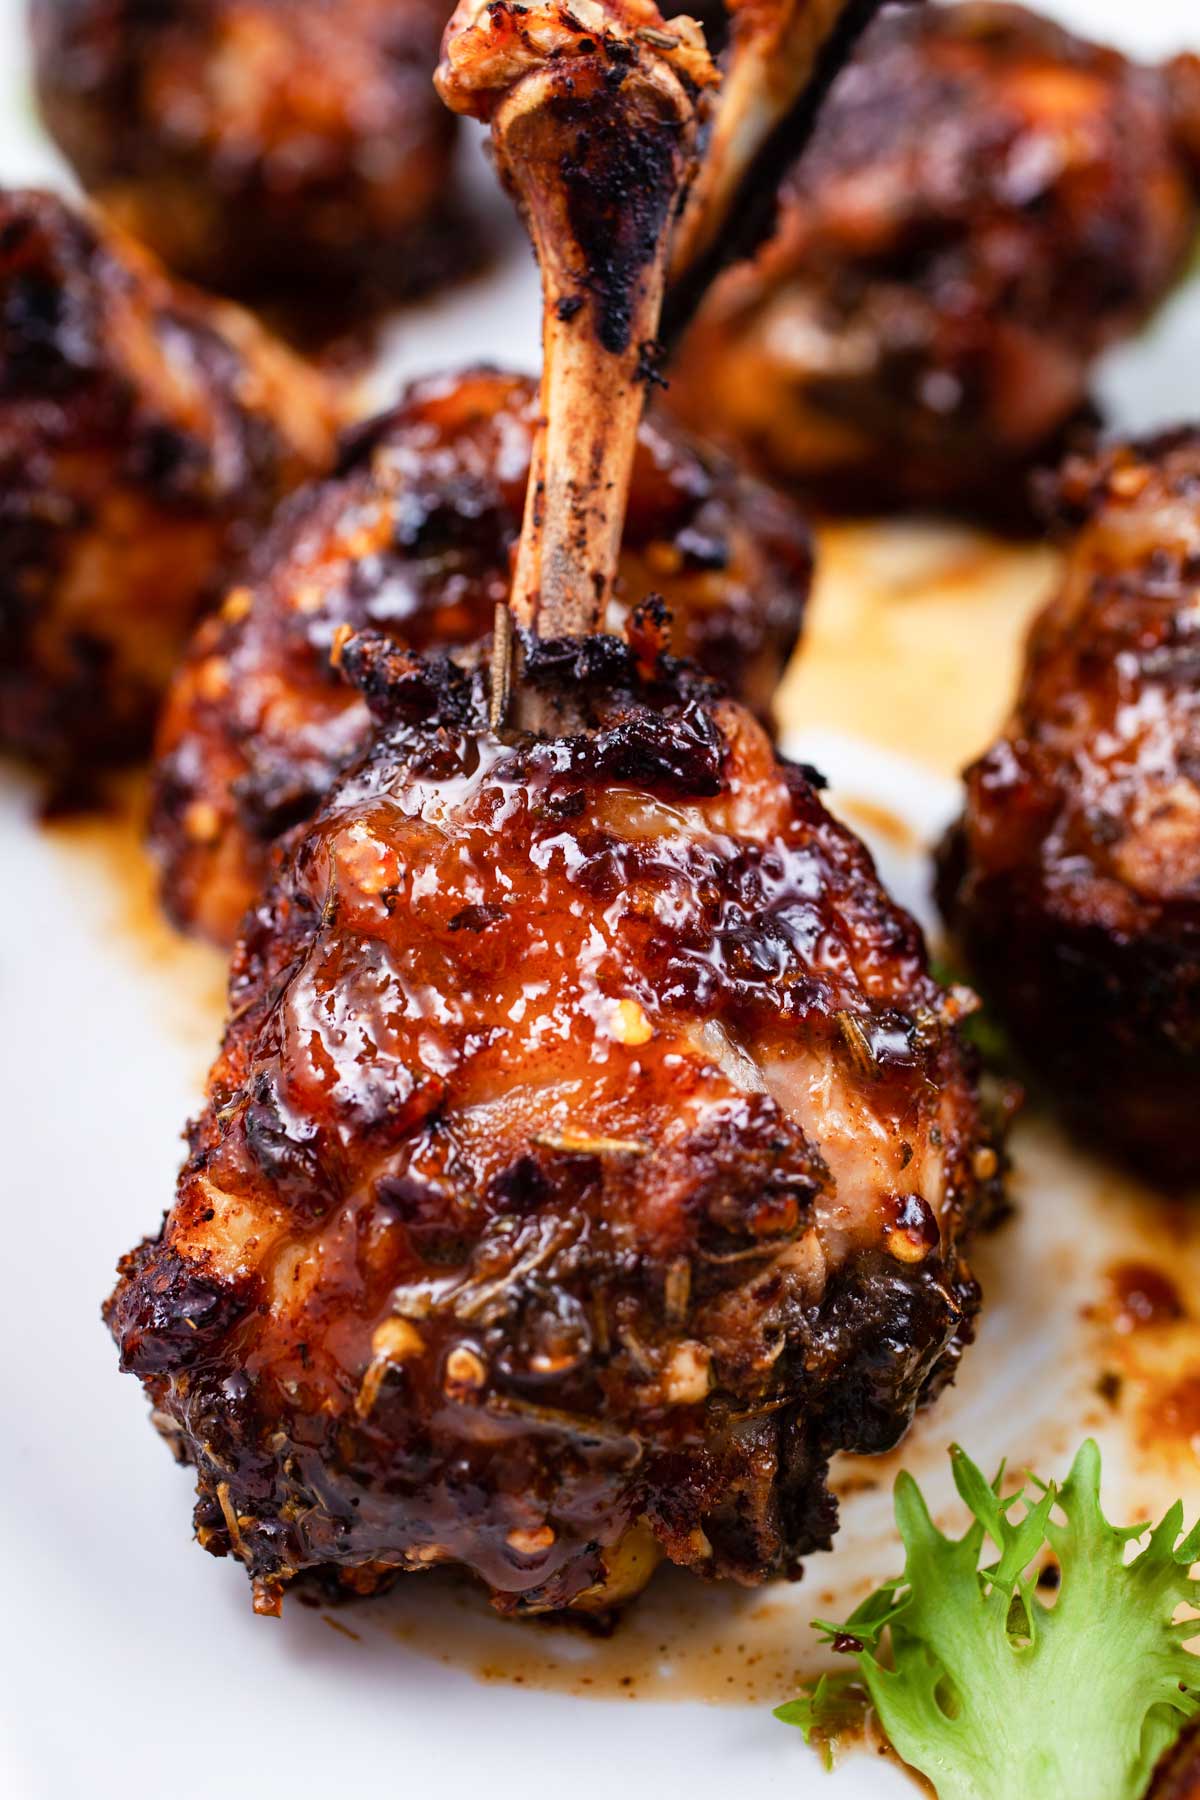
(987, 203)
(588, 1159)
(1073, 879)
(414, 537)
(146, 434)
(590, 1151)
(260, 144)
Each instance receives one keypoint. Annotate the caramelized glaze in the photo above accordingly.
(413, 536)
(1073, 880)
(146, 434)
(988, 202)
(261, 146)
(587, 1159)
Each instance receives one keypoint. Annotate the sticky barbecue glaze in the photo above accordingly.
(146, 435)
(413, 536)
(1073, 878)
(260, 145)
(987, 203)
(589, 1157)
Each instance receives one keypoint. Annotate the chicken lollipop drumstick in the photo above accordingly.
(987, 203)
(147, 432)
(590, 1150)
(284, 150)
(1072, 880)
(412, 536)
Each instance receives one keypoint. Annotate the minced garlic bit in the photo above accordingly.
(905, 1247)
(629, 1024)
(341, 637)
(429, 1553)
(213, 678)
(202, 822)
(687, 1378)
(465, 1371)
(393, 1342)
(238, 602)
(397, 1340)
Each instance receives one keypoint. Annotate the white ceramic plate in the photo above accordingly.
(130, 1663)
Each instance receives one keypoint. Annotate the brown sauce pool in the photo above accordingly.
(105, 851)
(913, 636)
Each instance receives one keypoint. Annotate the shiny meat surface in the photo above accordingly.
(146, 434)
(414, 537)
(588, 1158)
(987, 203)
(1073, 879)
(259, 143)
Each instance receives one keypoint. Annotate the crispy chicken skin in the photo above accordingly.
(146, 434)
(987, 203)
(587, 1159)
(1072, 881)
(256, 144)
(413, 536)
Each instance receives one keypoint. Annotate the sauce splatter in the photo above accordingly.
(913, 636)
(1143, 1296)
(1171, 1417)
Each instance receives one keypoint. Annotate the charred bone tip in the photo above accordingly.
(594, 114)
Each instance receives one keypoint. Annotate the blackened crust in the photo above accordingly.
(530, 1127)
(1073, 879)
(413, 538)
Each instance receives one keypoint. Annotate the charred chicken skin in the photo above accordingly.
(1072, 881)
(413, 537)
(256, 144)
(587, 1160)
(590, 1151)
(146, 434)
(415, 532)
(987, 203)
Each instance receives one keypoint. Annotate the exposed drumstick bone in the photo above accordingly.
(781, 58)
(594, 113)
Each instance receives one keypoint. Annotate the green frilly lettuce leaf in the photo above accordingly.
(994, 1694)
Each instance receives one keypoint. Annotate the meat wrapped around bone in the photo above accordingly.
(590, 1156)
(413, 536)
(146, 434)
(590, 1153)
(987, 203)
(281, 149)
